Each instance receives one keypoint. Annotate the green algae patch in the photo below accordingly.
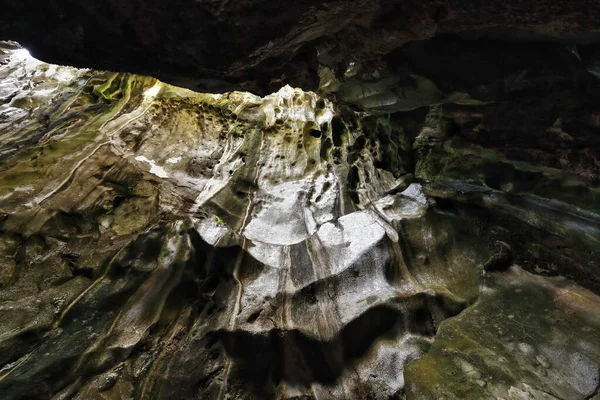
(522, 331)
(39, 164)
(430, 242)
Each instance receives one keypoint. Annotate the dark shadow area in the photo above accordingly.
(297, 359)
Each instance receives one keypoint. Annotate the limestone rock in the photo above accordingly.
(161, 243)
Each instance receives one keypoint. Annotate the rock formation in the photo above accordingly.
(423, 224)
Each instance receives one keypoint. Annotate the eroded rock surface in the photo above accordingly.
(160, 243)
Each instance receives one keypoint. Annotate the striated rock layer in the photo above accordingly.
(161, 243)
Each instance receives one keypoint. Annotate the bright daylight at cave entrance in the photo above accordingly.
(311, 200)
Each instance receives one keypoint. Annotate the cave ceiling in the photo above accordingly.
(258, 46)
